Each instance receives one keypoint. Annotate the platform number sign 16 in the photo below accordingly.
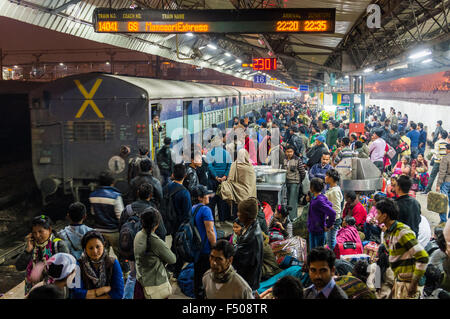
(259, 78)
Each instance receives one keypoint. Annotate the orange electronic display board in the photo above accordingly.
(290, 20)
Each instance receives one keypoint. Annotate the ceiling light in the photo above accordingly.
(212, 46)
(427, 61)
(107, 63)
(15, 67)
(238, 60)
(227, 54)
(420, 54)
(368, 70)
(190, 34)
(61, 64)
(346, 76)
(402, 66)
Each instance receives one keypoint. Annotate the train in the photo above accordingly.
(80, 123)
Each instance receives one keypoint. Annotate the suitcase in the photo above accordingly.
(437, 202)
(348, 248)
(354, 258)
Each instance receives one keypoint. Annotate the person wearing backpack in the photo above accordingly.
(134, 163)
(145, 176)
(151, 255)
(204, 221)
(130, 225)
(176, 209)
(73, 233)
(165, 162)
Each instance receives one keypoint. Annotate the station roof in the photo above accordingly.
(304, 58)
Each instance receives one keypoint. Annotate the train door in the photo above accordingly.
(187, 110)
(155, 143)
(235, 106)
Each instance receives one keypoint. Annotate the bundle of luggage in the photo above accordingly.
(294, 247)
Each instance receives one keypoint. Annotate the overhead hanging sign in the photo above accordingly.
(290, 20)
(259, 78)
(303, 88)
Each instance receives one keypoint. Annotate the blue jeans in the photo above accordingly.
(445, 189)
(331, 235)
(128, 292)
(316, 240)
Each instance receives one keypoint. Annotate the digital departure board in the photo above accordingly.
(264, 64)
(291, 20)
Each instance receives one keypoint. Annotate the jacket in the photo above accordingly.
(295, 170)
(106, 206)
(151, 254)
(409, 212)
(72, 236)
(320, 214)
(358, 212)
(147, 178)
(319, 171)
(114, 279)
(336, 293)
(248, 259)
(332, 136)
(362, 152)
(444, 171)
(191, 179)
(219, 162)
(24, 258)
(296, 141)
(315, 154)
(164, 159)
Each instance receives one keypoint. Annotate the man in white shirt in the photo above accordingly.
(377, 150)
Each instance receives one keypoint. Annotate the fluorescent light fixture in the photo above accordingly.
(107, 63)
(61, 64)
(15, 67)
(403, 66)
(212, 46)
(346, 76)
(427, 61)
(420, 54)
(238, 60)
(227, 54)
(368, 70)
(190, 34)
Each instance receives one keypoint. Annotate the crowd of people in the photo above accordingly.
(168, 218)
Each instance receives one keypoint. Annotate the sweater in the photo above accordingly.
(358, 212)
(444, 171)
(219, 162)
(406, 256)
(235, 288)
(320, 214)
(334, 195)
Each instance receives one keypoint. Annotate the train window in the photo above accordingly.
(200, 106)
(226, 102)
(187, 109)
(234, 101)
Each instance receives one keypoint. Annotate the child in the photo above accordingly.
(237, 231)
(73, 233)
(42, 244)
(321, 215)
(433, 278)
(281, 222)
(372, 230)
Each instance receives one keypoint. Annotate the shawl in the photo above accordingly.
(41, 253)
(224, 276)
(242, 177)
(97, 277)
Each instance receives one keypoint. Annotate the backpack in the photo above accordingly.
(134, 168)
(168, 211)
(186, 280)
(164, 159)
(127, 234)
(187, 240)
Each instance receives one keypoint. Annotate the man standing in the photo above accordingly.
(332, 134)
(443, 183)
(394, 119)
(191, 181)
(440, 150)
(248, 259)
(319, 170)
(414, 136)
(408, 207)
(176, 197)
(344, 151)
(222, 281)
(408, 260)
(145, 176)
(438, 131)
(219, 164)
(296, 141)
(165, 162)
(204, 221)
(294, 177)
(107, 206)
(134, 163)
(377, 150)
(321, 271)
(422, 139)
(156, 130)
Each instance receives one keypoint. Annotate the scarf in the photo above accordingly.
(98, 278)
(40, 254)
(225, 276)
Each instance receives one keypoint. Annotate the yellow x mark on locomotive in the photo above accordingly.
(88, 97)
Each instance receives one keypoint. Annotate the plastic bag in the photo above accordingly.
(295, 247)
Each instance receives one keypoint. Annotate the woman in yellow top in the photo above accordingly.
(407, 140)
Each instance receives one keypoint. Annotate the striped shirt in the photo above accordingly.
(440, 150)
(406, 255)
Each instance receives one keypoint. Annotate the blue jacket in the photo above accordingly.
(318, 171)
(219, 162)
(423, 137)
(320, 215)
(107, 206)
(116, 283)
